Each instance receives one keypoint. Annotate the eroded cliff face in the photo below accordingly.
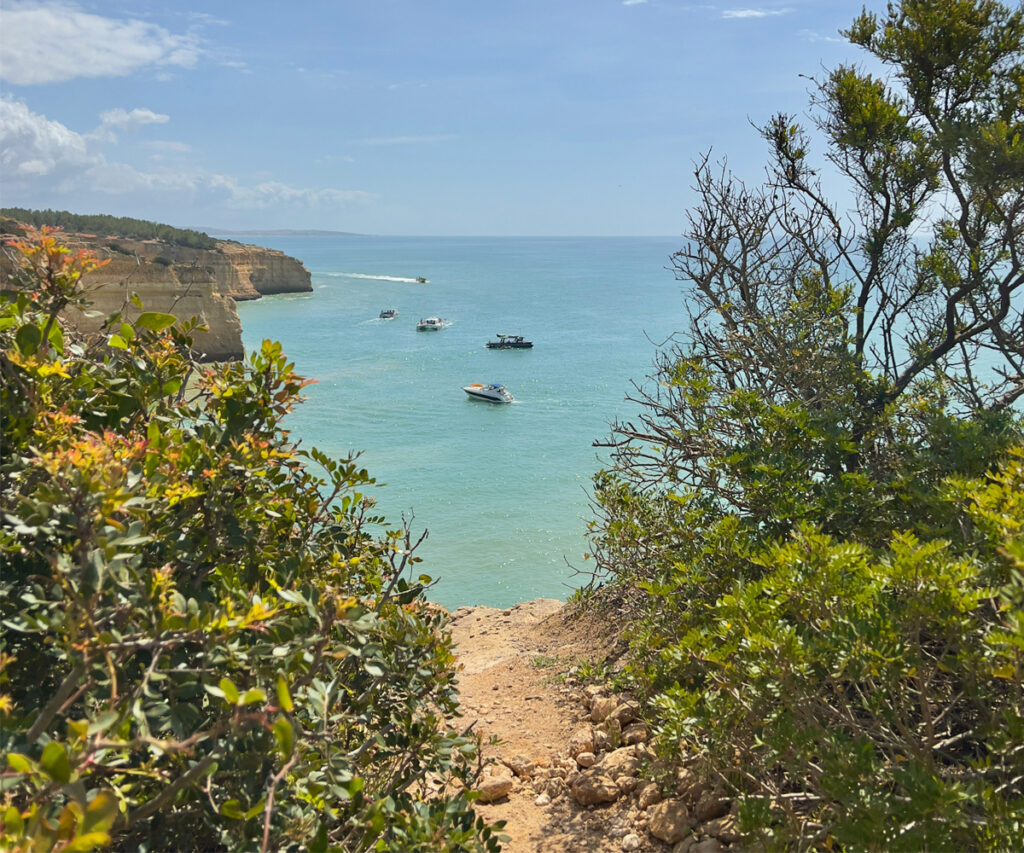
(254, 272)
(186, 282)
(221, 342)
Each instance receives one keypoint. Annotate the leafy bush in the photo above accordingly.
(830, 622)
(864, 700)
(204, 646)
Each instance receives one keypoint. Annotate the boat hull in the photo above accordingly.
(510, 342)
(490, 394)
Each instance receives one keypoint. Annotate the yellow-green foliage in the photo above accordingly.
(204, 644)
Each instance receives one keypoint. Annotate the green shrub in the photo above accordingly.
(205, 646)
(862, 700)
(815, 507)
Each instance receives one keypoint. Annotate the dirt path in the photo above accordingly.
(514, 685)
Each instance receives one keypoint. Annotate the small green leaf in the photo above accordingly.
(256, 809)
(13, 822)
(254, 696)
(18, 763)
(155, 321)
(284, 698)
(285, 736)
(28, 338)
(54, 762)
(101, 813)
(103, 722)
(230, 691)
(117, 342)
(233, 809)
(89, 841)
(56, 337)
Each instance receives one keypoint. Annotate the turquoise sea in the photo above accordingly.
(501, 489)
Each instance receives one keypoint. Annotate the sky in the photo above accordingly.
(398, 117)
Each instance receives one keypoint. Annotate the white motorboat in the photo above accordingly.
(431, 324)
(493, 393)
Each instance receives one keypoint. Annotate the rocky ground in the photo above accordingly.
(568, 766)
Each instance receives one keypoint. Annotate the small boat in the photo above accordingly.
(493, 393)
(420, 280)
(431, 324)
(388, 313)
(509, 342)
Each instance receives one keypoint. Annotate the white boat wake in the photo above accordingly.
(370, 277)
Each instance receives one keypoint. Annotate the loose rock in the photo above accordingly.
(591, 788)
(582, 740)
(620, 762)
(602, 708)
(689, 785)
(634, 733)
(709, 808)
(669, 821)
(522, 766)
(625, 712)
(648, 794)
(723, 828)
(555, 788)
(627, 784)
(493, 788)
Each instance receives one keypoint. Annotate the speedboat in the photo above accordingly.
(420, 280)
(431, 324)
(493, 393)
(509, 342)
(388, 313)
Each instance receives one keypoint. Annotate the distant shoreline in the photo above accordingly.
(280, 232)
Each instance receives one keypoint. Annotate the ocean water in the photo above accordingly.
(501, 489)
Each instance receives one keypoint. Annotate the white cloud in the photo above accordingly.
(633, 2)
(123, 118)
(812, 36)
(754, 13)
(40, 158)
(52, 42)
(32, 146)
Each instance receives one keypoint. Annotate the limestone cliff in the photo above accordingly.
(186, 282)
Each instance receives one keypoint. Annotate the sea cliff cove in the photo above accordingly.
(501, 490)
(318, 537)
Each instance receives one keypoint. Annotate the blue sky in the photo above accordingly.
(426, 117)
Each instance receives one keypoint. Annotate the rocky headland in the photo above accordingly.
(184, 281)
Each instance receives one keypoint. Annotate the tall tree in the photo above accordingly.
(826, 610)
(853, 312)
